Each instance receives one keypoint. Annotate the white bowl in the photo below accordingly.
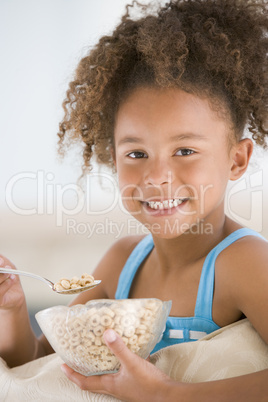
(75, 333)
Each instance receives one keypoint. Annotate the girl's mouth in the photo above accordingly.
(166, 204)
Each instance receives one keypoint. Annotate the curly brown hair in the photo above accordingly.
(212, 48)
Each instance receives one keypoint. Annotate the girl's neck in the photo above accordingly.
(188, 248)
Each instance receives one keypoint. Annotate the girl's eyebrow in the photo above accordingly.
(188, 136)
(175, 138)
(130, 140)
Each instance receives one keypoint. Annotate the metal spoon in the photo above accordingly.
(49, 283)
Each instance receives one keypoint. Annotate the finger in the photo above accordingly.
(4, 288)
(72, 375)
(4, 278)
(5, 266)
(118, 347)
(92, 383)
(5, 261)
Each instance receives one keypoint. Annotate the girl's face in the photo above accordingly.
(173, 159)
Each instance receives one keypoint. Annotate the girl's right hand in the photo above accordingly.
(11, 292)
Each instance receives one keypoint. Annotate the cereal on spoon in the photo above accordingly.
(74, 283)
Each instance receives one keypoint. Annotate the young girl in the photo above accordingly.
(165, 101)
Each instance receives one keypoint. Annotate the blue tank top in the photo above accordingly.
(182, 329)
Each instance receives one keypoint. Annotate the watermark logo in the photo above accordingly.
(54, 199)
(132, 227)
(250, 189)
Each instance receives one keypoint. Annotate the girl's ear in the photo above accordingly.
(241, 156)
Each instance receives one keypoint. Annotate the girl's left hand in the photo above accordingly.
(137, 379)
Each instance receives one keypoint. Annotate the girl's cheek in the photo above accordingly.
(128, 176)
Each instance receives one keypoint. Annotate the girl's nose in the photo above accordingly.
(158, 173)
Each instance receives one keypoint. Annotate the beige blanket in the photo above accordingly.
(228, 352)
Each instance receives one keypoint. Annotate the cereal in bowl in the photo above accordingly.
(76, 333)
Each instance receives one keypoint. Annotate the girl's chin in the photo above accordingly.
(165, 235)
(166, 228)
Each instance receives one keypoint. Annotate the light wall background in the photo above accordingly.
(44, 226)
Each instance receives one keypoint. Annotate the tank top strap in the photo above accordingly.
(203, 307)
(133, 263)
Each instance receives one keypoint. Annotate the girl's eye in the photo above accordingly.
(137, 155)
(185, 152)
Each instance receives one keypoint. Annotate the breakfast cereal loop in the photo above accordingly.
(76, 324)
(106, 320)
(148, 315)
(141, 329)
(98, 330)
(107, 311)
(134, 348)
(80, 350)
(91, 311)
(129, 331)
(74, 339)
(133, 339)
(118, 330)
(63, 344)
(59, 331)
(94, 320)
(153, 305)
(128, 320)
(58, 319)
(65, 284)
(98, 341)
(90, 337)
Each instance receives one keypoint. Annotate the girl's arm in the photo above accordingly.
(17, 340)
(18, 343)
(138, 380)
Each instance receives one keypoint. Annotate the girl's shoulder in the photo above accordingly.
(246, 248)
(244, 258)
(241, 280)
(249, 250)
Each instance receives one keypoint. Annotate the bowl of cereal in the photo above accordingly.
(76, 333)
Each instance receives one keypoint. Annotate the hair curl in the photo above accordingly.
(213, 48)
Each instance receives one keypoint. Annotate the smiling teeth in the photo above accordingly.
(167, 204)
